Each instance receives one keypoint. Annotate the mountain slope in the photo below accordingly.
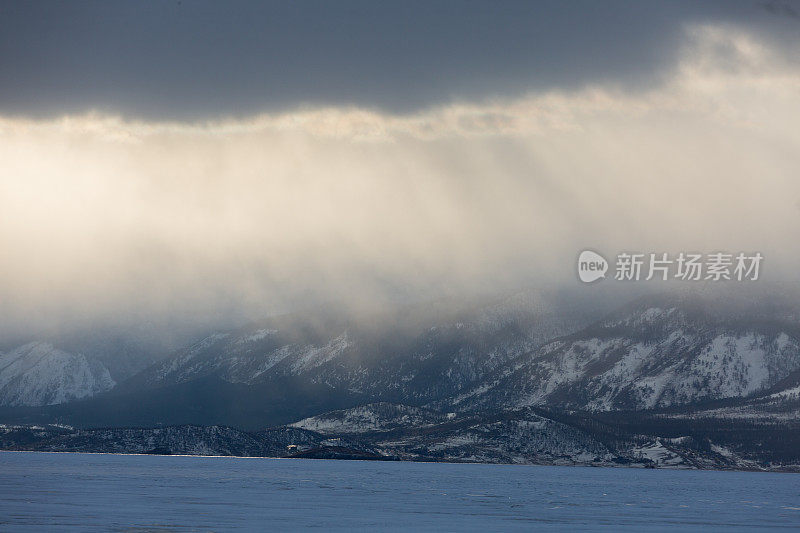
(37, 374)
(647, 357)
(692, 439)
(291, 367)
(416, 358)
(656, 353)
(371, 417)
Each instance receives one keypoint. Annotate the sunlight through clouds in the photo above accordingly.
(347, 203)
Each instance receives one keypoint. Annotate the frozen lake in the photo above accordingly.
(50, 492)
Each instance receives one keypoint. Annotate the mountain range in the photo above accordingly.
(514, 380)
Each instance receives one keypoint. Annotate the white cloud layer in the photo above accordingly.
(98, 214)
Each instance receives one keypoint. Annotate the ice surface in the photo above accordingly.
(59, 492)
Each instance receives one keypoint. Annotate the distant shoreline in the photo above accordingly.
(417, 461)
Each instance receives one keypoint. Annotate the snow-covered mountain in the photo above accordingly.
(246, 356)
(664, 382)
(184, 440)
(525, 436)
(645, 357)
(285, 368)
(38, 373)
(655, 353)
(381, 416)
(56, 366)
(413, 359)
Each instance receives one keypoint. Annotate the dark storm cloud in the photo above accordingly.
(198, 59)
(781, 9)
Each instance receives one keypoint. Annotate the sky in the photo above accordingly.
(210, 159)
(194, 60)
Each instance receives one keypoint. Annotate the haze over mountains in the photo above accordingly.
(657, 354)
(657, 351)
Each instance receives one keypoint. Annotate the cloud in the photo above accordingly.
(205, 59)
(100, 215)
(781, 9)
